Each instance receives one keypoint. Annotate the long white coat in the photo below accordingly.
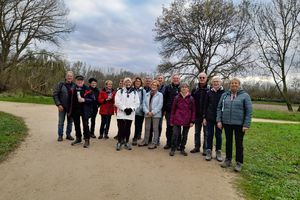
(124, 100)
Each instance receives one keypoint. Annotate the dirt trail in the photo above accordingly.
(44, 169)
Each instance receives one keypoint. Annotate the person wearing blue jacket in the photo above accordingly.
(152, 107)
(234, 113)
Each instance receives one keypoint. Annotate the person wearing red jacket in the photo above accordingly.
(107, 100)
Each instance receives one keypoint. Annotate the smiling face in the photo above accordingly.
(127, 84)
(175, 79)
(79, 83)
(93, 84)
(109, 85)
(184, 89)
(202, 78)
(160, 79)
(216, 84)
(154, 86)
(234, 86)
(137, 83)
(69, 77)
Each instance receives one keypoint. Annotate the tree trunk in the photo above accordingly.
(298, 109)
(289, 106)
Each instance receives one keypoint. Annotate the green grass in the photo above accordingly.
(12, 132)
(269, 103)
(276, 115)
(272, 162)
(27, 99)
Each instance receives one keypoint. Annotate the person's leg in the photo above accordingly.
(121, 127)
(61, 121)
(127, 128)
(218, 133)
(93, 121)
(76, 117)
(69, 125)
(197, 140)
(169, 131)
(151, 133)
(85, 123)
(229, 136)
(147, 130)
(160, 128)
(210, 134)
(204, 138)
(239, 148)
(155, 123)
(139, 120)
(103, 125)
(185, 131)
(176, 132)
(108, 117)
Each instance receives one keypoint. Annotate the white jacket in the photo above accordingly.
(126, 99)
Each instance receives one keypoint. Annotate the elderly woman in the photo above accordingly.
(209, 118)
(152, 106)
(234, 113)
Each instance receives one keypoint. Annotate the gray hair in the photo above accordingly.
(69, 73)
(236, 79)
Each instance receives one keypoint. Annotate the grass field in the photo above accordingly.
(12, 132)
(27, 99)
(276, 115)
(272, 162)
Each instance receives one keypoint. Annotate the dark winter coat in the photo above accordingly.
(183, 111)
(62, 93)
(199, 93)
(107, 107)
(211, 103)
(170, 92)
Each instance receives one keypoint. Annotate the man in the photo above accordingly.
(81, 107)
(199, 93)
(147, 84)
(161, 79)
(61, 96)
(170, 92)
(95, 105)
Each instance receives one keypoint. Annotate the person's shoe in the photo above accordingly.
(106, 137)
(238, 167)
(172, 153)
(195, 150)
(134, 142)
(100, 137)
(118, 146)
(208, 155)
(93, 136)
(219, 156)
(226, 163)
(77, 141)
(204, 153)
(86, 143)
(167, 147)
(152, 146)
(143, 144)
(178, 149)
(69, 137)
(116, 137)
(127, 146)
(60, 139)
(183, 152)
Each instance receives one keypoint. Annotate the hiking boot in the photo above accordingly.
(69, 137)
(238, 167)
(134, 142)
(167, 147)
(152, 146)
(60, 139)
(226, 163)
(172, 153)
(106, 137)
(100, 137)
(219, 156)
(118, 146)
(93, 136)
(183, 152)
(195, 150)
(86, 143)
(127, 146)
(208, 155)
(77, 141)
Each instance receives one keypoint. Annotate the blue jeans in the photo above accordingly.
(105, 124)
(197, 136)
(212, 130)
(61, 121)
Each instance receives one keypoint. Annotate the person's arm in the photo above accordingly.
(159, 106)
(248, 112)
(56, 93)
(101, 98)
(173, 111)
(136, 102)
(118, 101)
(219, 111)
(205, 107)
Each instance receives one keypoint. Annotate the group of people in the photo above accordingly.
(208, 107)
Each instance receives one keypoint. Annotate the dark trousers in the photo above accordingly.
(105, 124)
(124, 126)
(197, 136)
(77, 114)
(93, 120)
(212, 130)
(138, 126)
(169, 129)
(239, 137)
(178, 134)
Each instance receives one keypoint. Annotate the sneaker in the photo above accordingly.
(118, 146)
(134, 142)
(195, 150)
(226, 163)
(60, 139)
(167, 147)
(92, 136)
(172, 153)
(183, 152)
(106, 137)
(86, 143)
(77, 141)
(100, 137)
(208, 155)
(238, 167)
(219, 156)
(127, 146)
(152, 146)
(69, 137)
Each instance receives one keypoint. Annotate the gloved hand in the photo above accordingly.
(128, 111)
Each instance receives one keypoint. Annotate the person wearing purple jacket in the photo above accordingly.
(182, 117)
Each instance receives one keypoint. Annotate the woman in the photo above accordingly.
(139, 114)
(182, 117)
(106, 99)
(126, 101)
(209, 118)
(152, 106)
(234, 113)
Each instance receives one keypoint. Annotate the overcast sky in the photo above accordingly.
(115, 33)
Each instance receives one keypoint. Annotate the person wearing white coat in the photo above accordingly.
(126, 101)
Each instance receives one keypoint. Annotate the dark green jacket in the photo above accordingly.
(237, 111)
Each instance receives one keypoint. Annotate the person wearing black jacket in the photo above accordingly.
(81, 107)
(199, 93)
(171, 91)
(209, 118)
(95, 105)
(61, 97)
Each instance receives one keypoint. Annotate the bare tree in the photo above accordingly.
(23, 23)
(277, 29)
(199, 35)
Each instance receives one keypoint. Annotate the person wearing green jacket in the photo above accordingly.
(234, 113)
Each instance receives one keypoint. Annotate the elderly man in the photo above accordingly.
(147, 84)
(199, 93)
(61, 96)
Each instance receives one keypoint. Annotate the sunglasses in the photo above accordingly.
(202, 77)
